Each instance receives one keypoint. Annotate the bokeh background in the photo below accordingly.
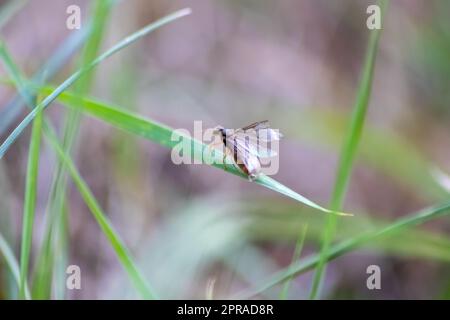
(295, 63)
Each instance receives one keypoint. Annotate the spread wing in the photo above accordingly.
(259, 131)
(256, 141)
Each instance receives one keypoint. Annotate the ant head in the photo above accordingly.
(219, 130)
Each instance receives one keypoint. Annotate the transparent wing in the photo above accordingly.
(244, 145)
(263, 134)
(259, 131)
(255, 139)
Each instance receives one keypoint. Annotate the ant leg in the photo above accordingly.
(225, 162)
(227, 153)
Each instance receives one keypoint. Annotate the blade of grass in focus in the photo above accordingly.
(349, 245)
(348, 152)
(106, 227)
(12, 264)
(169, 138)
(75, 76)
(297, 252)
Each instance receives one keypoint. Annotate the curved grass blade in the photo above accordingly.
(169, 138)
(297, 252)
(280, 188)
(12, 264)
(349, 245)
(30, 202)
(74, 77)
(348, 152)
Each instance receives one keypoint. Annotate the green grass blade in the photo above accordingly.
(11, 261)
(280, 188)
(348, 152)
(297, 252)
(351, 244)
(74, 77)
(101, 11)
(62, 253)
(162, 135)
(15, 75)
(30, 202)
(43, 272)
